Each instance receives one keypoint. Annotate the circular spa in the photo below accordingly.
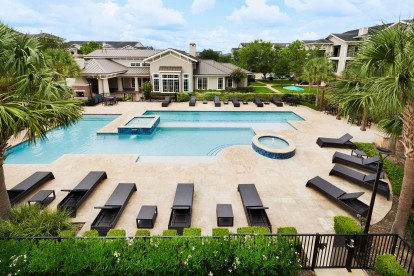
(272, 146)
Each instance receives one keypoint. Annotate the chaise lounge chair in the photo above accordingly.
(253, 206)
(257, 101)
(192, 101)
(361, 179)
(18, 192)
(277, 101)
(236, 101)
(367, 164)
(342, 142)
(166, 101)
(217, 101)
(113, 208)
(78, 195)
(181, 210)
(348, 201)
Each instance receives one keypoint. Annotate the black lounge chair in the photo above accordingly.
(192, 101)
(257, 101)
(342, 142)
(181, 210)
(348, 201)
(18, 192)
(78, 195)
(253, 206)
(113, 208)
(166, 101)
(217, 101)
(361, 179)
(367, 164)
(236, 101)
(277, 101)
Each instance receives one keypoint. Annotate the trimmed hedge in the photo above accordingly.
(67, 233)
(220, 232)
(256, 255)
(253, 230)
(387, 265)
(91, 233)
(170, 233)
(294, 241)
(142, 233)
(346, 225)
(116, 233)
(191, 232)
(287, 230)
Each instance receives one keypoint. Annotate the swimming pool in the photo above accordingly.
(226, 116)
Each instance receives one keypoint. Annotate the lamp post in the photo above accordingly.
(381, 152)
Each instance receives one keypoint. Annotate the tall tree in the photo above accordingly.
(89, 47)
(30, 101)
(62, 63)
(257, 56)
(209, 54)
(49, 41)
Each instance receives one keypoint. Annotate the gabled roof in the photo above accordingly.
(122, 53)
(318, 41)
(138, 71)
(103, 66)
(113, 44)
(214, 68)
(178, 52)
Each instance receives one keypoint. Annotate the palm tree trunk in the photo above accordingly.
(364, 120)
(5, 207)
(407, 189)
(322, 99)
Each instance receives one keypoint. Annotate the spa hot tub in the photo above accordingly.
(272, 146)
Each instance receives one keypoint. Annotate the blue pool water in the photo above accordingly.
(82, 139)
(273, 142)
(293, 88)
(226, 116)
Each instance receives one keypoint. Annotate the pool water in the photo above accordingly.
(226, 116)
(273, 142)
(293, 88)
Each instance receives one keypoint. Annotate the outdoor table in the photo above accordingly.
(224, 215)
(43, 197)
(147, 216)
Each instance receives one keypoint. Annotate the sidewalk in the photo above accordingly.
(269, 85)
(339, 272)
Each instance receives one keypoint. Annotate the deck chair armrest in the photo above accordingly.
(107, 207)
(257, 208)
(351, 195)
(180, 208)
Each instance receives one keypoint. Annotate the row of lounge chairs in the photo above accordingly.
(110, 212)
(217, 103)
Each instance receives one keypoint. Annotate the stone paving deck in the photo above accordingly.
(280, 183)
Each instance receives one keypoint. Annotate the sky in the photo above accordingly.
(211, 24)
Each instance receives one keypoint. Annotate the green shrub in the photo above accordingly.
(116, 233)
(287, 230)
(143, 233)
(346, 225)
(169, 233)
(67, 233)
(253, 230)
(91, 233)
(190, 232)
(32, 220)
(387, 265)
(183, 97)
(220, 232)
(394, 172)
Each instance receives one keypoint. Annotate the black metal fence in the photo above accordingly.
(357, 251)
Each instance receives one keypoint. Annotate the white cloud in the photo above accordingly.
(199, 6)
(337, 7)
(307, 36)
(258, 11)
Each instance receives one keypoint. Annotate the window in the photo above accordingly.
(135, 64)
(170, 83)
(186, 83)
(156, 83)
(202, 83)
(230, 82)
(133, 82)
(220, 83)
(146, 64)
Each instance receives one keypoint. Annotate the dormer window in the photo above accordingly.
(135, 64)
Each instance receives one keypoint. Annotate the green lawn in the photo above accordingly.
(280, 82)
(264, 90)
(255, 83)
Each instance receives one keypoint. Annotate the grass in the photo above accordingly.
(264, 90)
(280, 82)
(255, 83)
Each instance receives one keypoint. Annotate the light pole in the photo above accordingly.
(381, 152)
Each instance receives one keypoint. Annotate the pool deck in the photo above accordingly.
(280, 183)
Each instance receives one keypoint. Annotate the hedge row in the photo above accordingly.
(346, 225)
(157, 256)
(387, 265)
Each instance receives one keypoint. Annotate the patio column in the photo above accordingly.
(105, 86)
(120, 88)
(100, 86)
(136, 83)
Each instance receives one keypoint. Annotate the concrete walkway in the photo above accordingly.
(269, 85)
(339, 272)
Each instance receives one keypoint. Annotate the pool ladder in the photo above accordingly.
(216, 150)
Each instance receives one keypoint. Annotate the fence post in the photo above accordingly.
(394, 243)
(350, 245)
(315, 250)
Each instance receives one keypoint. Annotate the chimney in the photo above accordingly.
(193, 49)
(363, 31)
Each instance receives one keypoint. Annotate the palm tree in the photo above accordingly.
(62, 63)
(30, 101)
(387, 61)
